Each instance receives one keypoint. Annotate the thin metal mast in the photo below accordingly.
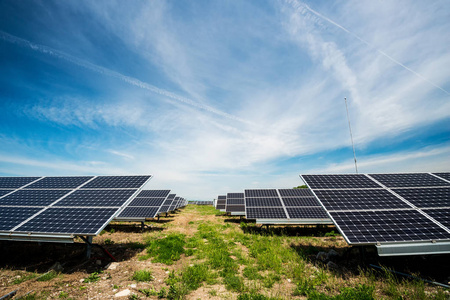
(351, 135)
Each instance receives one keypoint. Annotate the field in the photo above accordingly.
(198, 253)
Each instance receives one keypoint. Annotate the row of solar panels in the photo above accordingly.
(402, 214)
(274, 206)
(200, 202)
(59, 208)
(150, 203)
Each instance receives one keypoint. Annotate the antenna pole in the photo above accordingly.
(351, 136)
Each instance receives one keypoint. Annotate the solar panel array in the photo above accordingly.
(297, 206)
(62, 206)
(386, 208)
(167, 204)
(146, 205)
(201, 202)
(235, 204)
(221, 202)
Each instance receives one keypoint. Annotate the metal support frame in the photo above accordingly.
(89, 244)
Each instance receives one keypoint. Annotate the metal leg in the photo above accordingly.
(88, 247)
(142, 225)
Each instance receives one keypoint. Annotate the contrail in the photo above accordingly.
(102, 70)
(296, 4)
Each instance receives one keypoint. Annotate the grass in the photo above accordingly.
(166, 250)
(93, 277)
(48, 276)
(24, 277)
(142, 276)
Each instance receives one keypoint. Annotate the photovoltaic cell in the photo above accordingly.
(139, 212)
(10, 217)
(304, 201)
(257, 202)
(104, 198)
(4, 192)
(307, 213)
(69, 182)
(235, 208)
(146, 202)
(426, 197)
(344, 181)
(164, 209)
(235, 195)
(235, 201)
(15, 182)
(78, 221)
(409, 180)
(120, 182)
(445, 175)
(440, 215)
(295, 193)
(359, 199)
(266, 193)
(154, 193)
(222, 197)
(368, 227)
(33, 197)
(265, 213)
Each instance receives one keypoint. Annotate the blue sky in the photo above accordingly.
(218, 96)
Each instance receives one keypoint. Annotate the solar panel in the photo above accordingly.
(10, 217)
(99, 198)
(307, 213)
(154, 193)
(409, 180)
(264, 213)
(32, 197)
(296, 193)
(304, 201)
(235, 195)
(15, 182)
(255, 202)
(440, 215)
(426, 197)
(345, 181)
(444, 175)
(235, 204)
(235, 208)
(389, 216)
(368, 227)
(266, 193)
(359, 199)
(78, 221)
(147, 202)
(69, 182)
(117, 182)
(137, 212)
(61, 205)
(235, 201)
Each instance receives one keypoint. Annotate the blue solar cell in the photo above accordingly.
(307, 213)
(445, 175)
(440, 215)
(232, 208)
(154, 193)
(296, 193)
(100, 198)
(15, 182)
(304, 201)
(117, 182)
(263, 193)
(426, 197)
(235, 195)
(4, 192)
(10, 217)
(235, 201)
(69, 182)
(265, 213)
(258, 202)
(78, 221)
(342, 181)
(33, 197)
(146, 202)
(146, 212)
(409, 180)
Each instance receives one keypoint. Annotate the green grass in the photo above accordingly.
(166, 250)
(24, 277)
(48, 276)
(93, 277)
(142, 276)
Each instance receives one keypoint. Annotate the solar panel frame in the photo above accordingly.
(59, 182)
(443, 175)
(404, 180)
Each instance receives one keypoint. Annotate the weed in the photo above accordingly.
(253, 296)
(233, 283)
(251, 273)
(48, 276)
(162, 293)
(149, 292)
(331, 234)
(134, 297)
(270, 280)
(93, 277)
(30, 296)
(212, 292)
(108, 242)
(63, 295)
(304, 288)
(82, 288)
(24, 278)
(116, 287)
(142, 276)
(168, 249)
(112, 231)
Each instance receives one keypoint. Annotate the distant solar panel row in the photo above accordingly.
(386, 208)
(146, 205)
(71, 205)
